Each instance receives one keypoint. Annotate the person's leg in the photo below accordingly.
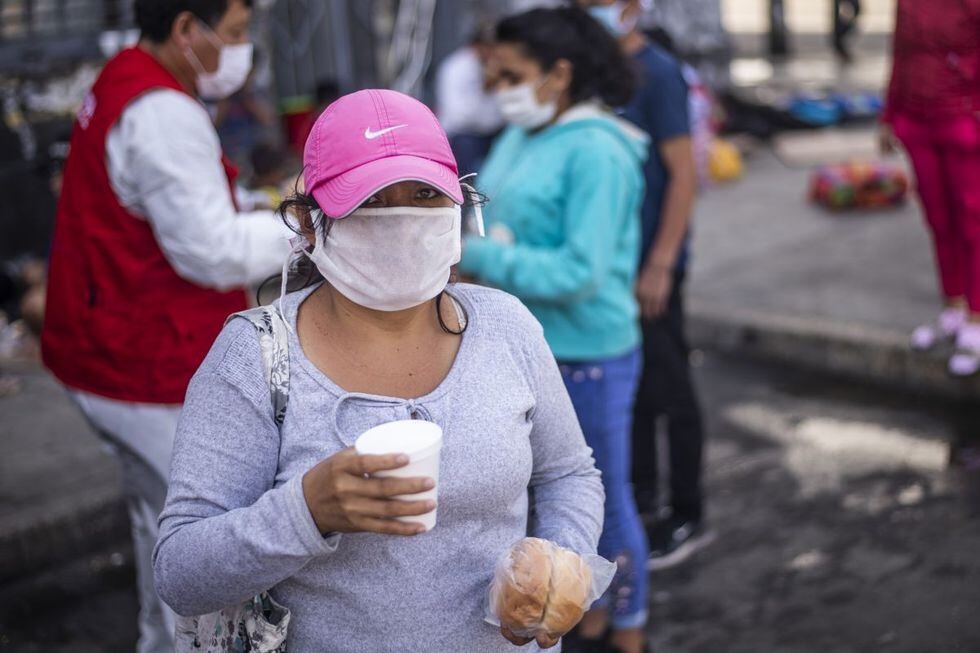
(933, 195)
(849, 11)
(645, 462)
(969, 215)
(585, 399)
(647, 409)
(840, 29)
(676, 538)
(603, 397)
(685, 434)
(837, 18)
(779, 45)
(142, 438)
(962, 166)
(843, 23)
(156, 620)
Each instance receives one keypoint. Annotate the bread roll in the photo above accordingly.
(521, 598)
(571, 581)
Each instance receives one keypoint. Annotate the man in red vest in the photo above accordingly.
(150, 253)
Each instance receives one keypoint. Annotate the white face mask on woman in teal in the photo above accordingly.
(519, 106)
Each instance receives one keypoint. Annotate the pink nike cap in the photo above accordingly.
(371, 139)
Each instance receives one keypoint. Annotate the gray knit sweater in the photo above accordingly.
(236, 522)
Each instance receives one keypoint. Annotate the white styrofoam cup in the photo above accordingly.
(418, 439)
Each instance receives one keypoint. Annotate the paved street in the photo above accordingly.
(841, 528)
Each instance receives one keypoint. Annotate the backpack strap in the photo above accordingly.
(274, 342)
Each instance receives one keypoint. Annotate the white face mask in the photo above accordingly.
(519, 106)
(234, 65)
(390, 259)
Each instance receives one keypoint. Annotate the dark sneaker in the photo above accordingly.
(674, 540)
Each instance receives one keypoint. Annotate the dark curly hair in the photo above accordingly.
(599, 67)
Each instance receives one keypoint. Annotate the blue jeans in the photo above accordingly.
(603, 393)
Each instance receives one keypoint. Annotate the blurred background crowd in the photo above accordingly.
(306, 56)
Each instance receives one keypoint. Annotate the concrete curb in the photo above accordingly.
(66, 534)
(863, 353)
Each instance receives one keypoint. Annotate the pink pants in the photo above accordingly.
(946, 157)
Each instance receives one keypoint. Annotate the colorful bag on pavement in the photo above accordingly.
(859, 185)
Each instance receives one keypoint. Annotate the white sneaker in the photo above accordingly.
(966, 360)
(945, 327)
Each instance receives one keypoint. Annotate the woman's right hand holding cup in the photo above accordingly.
(344, 496)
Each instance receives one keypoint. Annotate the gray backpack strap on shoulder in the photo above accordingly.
(274, 341)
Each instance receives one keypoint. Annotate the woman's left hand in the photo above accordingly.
(544, 640)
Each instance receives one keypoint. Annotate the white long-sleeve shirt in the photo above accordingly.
(164, 163)
(462, 105)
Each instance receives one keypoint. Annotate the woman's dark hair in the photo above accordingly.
(307, 274)
(155, 17)
(599, 67)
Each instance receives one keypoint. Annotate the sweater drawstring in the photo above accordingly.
(413, 409)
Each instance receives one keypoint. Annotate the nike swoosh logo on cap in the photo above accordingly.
(370, 135)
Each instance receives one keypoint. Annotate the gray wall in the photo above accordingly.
(346, 40)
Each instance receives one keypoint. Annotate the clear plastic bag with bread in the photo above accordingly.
(540, 587)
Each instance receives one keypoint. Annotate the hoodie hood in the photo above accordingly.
(593, 114)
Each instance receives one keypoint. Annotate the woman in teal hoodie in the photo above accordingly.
(565, 187)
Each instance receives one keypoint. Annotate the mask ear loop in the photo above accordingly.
(297, 244)
(477, 206)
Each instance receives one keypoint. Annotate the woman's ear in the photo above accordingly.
(561, 73)
(306, 226)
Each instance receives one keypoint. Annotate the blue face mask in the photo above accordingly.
(611, 17)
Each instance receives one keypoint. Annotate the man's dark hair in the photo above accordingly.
(156, 17)
(599, 68)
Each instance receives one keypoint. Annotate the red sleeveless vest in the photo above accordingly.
(119, 321)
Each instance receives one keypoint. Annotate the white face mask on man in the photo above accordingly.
(519, 106)
(390, 259)
(234, 65)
